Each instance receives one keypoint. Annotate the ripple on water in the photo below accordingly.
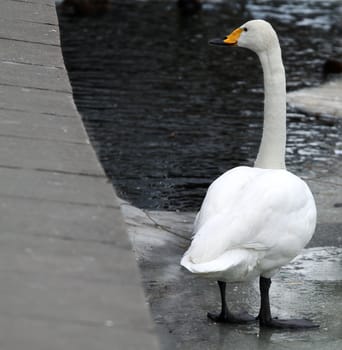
(167, 114)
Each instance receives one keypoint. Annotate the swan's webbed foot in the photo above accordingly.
(265, 318)
(288, 324)
(228, 317)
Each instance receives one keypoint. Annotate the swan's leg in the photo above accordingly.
(265, 318)
(226, 316)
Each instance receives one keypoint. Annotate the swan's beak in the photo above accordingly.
(217, 42)
(231, 39)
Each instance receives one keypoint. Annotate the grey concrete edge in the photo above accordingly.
(40, 173)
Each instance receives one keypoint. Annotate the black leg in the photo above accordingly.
(226, 316)
(265, 318)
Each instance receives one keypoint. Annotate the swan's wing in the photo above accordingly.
(222, 192)
(275, 212)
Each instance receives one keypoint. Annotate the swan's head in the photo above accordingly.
(256, 35)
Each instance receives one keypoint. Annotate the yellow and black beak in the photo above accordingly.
(231, 39)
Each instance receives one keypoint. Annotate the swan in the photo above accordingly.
(253, 220)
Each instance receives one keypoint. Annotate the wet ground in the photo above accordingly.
(167, 113)
(310, 287)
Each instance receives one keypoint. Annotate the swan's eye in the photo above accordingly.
(245, 29)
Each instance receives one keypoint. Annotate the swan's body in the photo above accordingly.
(254, 220)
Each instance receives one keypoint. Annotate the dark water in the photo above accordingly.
(167, 113)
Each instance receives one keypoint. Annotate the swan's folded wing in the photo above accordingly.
(221, 233)
(222, 193)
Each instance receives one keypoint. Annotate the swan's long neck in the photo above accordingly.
(271, 153)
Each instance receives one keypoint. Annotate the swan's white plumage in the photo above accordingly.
(251, 222)
(255, 220)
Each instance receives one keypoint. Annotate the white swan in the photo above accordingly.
(255, 220)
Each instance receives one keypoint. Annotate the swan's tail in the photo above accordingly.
(234, 266)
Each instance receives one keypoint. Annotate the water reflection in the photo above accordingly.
(168, 114)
